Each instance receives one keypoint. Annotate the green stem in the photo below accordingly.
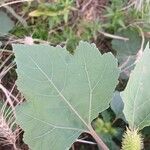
(100, 143)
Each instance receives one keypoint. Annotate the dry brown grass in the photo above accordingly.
(9, 131)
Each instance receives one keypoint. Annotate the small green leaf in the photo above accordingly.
(127, 50)
(64, 92)
(129, 47)
(0, 44)
(117, 105)
(136, 96)
(6, 24)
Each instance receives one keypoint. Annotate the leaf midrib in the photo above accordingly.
(60, 94)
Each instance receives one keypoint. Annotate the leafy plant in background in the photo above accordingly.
(65, 93)
(57, 23)
(115, 17)
(61, 8)
(122, 14)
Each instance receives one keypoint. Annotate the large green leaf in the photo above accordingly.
(64, 93)
(136, 96)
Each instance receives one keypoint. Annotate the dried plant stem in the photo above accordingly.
(128, 67)
(73, 148)
(143, 37)
(7, 135)
(128, 6)
(14, 2)
(124, 63)
(7, 96)
(86, 5)
(114, 36)
(86, 142)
